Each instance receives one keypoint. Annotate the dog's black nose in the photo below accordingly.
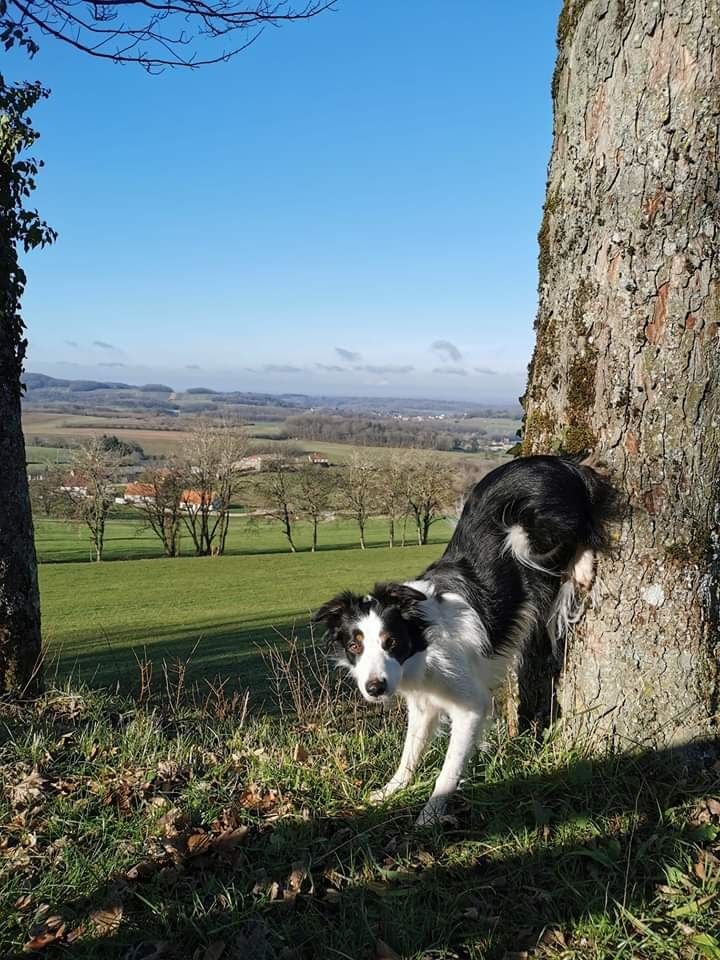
(376, 687)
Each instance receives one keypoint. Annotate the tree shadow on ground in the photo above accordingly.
(227, 654)
(121, 549)
(529, 859)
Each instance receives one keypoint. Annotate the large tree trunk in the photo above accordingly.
(19, 599)
(627, 356)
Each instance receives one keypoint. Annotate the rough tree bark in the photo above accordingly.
(627, 357)
(19, 598)
(19, 227)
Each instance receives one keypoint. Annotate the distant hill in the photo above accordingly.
(68, 396)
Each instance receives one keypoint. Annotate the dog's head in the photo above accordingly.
(376, 635)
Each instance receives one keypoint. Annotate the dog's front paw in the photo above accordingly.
(377, 796)
(431, 814)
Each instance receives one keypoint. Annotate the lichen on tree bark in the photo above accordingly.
(628, 357)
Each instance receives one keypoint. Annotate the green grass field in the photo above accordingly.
(59, 541)
(37, 455)
(98, 619)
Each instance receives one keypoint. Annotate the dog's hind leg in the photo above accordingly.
(583, 572)
(464, 736)
(422, 720)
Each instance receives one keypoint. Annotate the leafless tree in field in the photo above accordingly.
(45, 494)
(214, 473)
(431, 489)
(315, 489)
(358, 489)
(161, 505)
(89, 488)
(392, 490)
(279, 491)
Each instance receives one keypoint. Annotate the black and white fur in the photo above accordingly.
(522, 553)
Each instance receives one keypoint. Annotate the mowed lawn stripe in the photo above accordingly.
(99, 618)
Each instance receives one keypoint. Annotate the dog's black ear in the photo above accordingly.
(331, 612)
(398, 595)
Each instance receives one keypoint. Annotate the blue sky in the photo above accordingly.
(370, 181)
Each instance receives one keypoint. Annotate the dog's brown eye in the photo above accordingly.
(356, 643)
(388, 642)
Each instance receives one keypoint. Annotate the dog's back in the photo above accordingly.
(526, 540)
(559, 504)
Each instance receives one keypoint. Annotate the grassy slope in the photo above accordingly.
(99, 617)
(120, 840)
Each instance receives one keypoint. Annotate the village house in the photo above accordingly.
(192, 501)
(252, 463)
(138, 493)
(75, 484)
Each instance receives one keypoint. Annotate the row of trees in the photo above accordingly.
(193, 493)
(413, 485)
(387, 432)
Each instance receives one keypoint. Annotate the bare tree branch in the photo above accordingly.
(134, 27)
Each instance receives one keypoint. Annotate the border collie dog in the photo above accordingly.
(519, 560)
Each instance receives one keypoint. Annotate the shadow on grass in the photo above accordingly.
(226, 653)
(135, 551)
(530, 860)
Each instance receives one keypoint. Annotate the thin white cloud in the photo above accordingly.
(281, 368)
(384, 369)
(486, 371)
(451, 371)
(103, 344)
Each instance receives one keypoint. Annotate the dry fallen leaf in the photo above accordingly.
(75, 933)
(295, 881)
(143, 869)
(168, 769)
(229, 839)
(22, 904)
(300, 754)
(107, 919)
(43, 939)
(30, 788)
(553, 938)
(198, 843)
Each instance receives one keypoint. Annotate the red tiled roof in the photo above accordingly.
(139, 490)
(196, 497)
